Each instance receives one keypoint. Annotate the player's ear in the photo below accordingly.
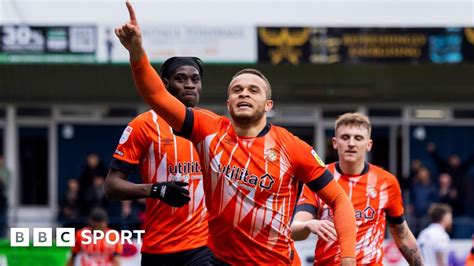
(166, 82)
(228, 105)
(334, 143)
(268, 105)
(369, 145)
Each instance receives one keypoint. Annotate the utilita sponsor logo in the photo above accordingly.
(66, 237)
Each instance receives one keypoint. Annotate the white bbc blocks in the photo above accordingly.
(42, 237)
(20, 237)
(65, 237)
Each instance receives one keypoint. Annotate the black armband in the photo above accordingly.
(306, 207)
(188, 124)
(395, 220)
(321, 181)
(124, 167)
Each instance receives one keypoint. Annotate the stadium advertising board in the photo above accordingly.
(211, 43)
(365, 45)
(45, 44)
(98, 44)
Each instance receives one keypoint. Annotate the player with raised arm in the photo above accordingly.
(251, 169)
(374, 192)
(167, 164)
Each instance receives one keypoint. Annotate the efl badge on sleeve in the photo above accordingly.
(125, 134)
(315, 155)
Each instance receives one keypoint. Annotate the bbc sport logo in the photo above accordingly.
(66, 237)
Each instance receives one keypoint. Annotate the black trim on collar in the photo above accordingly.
(264, 131)
(364, 171)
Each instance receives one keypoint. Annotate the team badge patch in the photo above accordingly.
(125, 134)
(372, 193)
(271, 155)
(167, 141)
(315, 155)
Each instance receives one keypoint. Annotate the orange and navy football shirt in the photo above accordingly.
(376, 196)
(99, 254)
(149, 143)
(251, 186)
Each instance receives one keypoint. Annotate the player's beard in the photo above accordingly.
(245, 119)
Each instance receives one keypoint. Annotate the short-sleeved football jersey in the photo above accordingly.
(251, 187)
(375, 195)
(149, 143)
(98, 254)
(432, 240)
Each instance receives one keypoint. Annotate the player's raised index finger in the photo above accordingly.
(131, 12)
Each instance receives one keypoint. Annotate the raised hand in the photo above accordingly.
(323, 228)
(130, 35)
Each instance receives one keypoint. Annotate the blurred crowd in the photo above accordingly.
(448, 183)
(85, 193)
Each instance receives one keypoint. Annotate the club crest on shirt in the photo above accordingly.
(229, 141)
(167, 141)
(125, 134)
(271, 155)
(316, 156)
(372, 193)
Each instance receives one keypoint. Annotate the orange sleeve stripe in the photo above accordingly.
(151, 88)
(344, 216)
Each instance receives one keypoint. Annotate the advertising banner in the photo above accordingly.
(365, 45)
(44, 44)
(211, 43)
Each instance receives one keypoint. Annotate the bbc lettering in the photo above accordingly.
(66, 237)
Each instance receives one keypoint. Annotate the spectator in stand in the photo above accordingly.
(447, 193)
(407, 181)
(422, 194)
(454, 166)
(94, 168)
(415, 166)
(69, 208)
(94, 196)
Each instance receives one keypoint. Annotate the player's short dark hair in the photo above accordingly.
(173, 63)
(437, 211)
(98, 215)
(258, 74)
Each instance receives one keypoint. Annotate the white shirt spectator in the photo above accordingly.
(431, 240)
